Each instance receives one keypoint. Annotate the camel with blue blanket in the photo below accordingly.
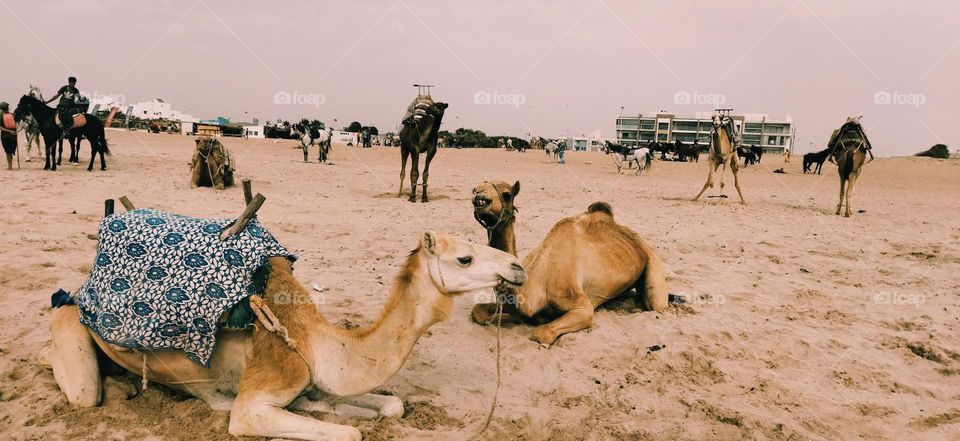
(151, 265)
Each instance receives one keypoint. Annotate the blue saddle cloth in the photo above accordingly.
(162, 281)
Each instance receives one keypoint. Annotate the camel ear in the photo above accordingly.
(429, 242)
(516, 189)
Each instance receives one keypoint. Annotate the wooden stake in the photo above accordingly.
(248, 213)
(247, 191)
(126, 203)
(107, 207)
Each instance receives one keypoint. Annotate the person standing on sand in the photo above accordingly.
(8, 137)
(786, 154)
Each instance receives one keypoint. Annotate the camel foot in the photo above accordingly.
(543, 335)
(90, 168)
(483, 313)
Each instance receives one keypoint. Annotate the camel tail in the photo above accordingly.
(601, 207)
(654, 281)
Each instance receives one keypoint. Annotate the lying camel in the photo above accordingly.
(259, 379)
(583, 262)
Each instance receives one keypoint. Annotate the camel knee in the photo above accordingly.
(73, 358)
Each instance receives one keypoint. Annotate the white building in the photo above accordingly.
(160, 109)
(773, 135)
(254, 131)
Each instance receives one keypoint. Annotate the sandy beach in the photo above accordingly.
(800, 324)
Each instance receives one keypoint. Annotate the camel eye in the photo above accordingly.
(465, 261)
(507, 196)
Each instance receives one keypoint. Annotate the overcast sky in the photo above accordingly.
(508, 67)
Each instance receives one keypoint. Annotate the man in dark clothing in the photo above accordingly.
(67, 107)
(8, 137)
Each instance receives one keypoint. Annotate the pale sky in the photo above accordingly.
(555, 67)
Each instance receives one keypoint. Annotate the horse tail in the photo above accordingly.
(648, 161)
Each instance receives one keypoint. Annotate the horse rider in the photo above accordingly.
(8, 137)
(67, 107)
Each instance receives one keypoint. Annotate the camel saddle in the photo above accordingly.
(854, 123)
(419, 108)
(79, 120)
(163, 281)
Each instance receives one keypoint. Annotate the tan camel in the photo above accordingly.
(583, 262)
(722, 152)
(848, 148)
(211, 165)
(258, 378)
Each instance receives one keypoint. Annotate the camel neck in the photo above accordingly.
(503, 238)
(376, 352)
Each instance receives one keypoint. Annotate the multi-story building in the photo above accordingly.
(757, 129)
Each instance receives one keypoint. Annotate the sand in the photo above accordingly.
(801, 324)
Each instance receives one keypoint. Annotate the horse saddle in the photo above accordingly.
(79, 120)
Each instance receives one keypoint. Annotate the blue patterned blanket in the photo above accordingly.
(162, 281)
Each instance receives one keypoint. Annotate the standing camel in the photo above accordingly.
(584, 261)
(848, 148)
(419, 135)
(293, 359)
(723, 151)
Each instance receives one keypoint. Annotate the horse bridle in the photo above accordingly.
(503, 216)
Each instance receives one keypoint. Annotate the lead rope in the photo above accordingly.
(272, 323)
(496, 392)
(143, 372)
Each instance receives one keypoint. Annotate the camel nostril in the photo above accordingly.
(516, 266)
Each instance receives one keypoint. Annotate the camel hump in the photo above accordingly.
(601, 207)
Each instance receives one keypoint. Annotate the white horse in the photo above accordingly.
(550, 148)
(30, 127)
(642, 156)
(302, 134)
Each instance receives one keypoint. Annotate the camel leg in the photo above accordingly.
(843, 182)
(74, 358)
(306, 151)
(709, 184)
(403, 168)
(414, 174)
(268, 419)
(849, 193)
(723, 171)
(363, 406)
(736, 180)
(578, 316)
(426, 173)
(195, 176)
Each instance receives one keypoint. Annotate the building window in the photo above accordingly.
(663, 126)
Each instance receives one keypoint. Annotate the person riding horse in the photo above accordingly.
(67, 107)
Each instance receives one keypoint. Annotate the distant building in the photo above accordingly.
(254, 131)
(773, 135)
(159, 109)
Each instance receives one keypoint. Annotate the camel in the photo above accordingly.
(722, 152)
(584, 261)
(260, 378)
(418, 135)
(848, 149)
(211, 165)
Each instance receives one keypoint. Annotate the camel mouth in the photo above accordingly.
(485, 218)
(481, 202)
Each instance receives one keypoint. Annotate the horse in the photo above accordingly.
(817, 158)
(45, 117)
(749, 157)
(686, 153)
(30, 128)
(551, 149)
(848, 148)
(300, 132)
(621, 153)
(73, 138)
(723, 151)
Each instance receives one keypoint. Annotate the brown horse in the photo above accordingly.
(419, 135)
(848, 148)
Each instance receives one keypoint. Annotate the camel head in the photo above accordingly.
(493, 202)
(457, 266)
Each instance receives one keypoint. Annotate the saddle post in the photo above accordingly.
(108, 207)
(248, 213)
(126, 203)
